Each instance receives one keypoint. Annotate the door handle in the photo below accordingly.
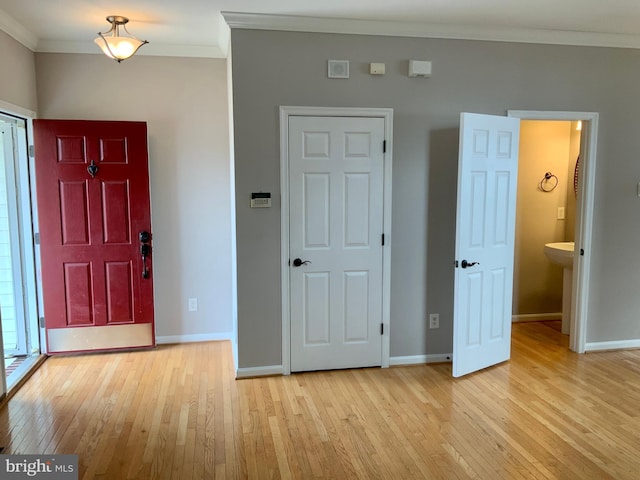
(299, 262)
(466, 264)
(145, 251)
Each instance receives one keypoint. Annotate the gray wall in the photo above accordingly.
(285, 68)
(184, 102)
(18, 77)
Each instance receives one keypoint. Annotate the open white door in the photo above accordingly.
(485, 230)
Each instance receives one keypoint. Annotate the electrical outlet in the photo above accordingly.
(193, 304)
(434, 320)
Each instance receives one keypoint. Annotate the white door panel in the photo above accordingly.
(336, 221)
(485, 229)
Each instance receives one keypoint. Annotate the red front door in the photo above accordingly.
(92, 184)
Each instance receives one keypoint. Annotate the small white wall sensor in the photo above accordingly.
(419, 68)
(376, 68)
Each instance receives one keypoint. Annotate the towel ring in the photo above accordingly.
(549, 182)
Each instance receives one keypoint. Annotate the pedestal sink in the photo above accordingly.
(561, 253)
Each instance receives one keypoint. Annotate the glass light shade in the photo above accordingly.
(119, 48)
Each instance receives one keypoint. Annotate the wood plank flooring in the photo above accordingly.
(177, 412)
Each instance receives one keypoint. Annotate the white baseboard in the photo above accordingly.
(200, 337)
(536, 317)
(393, 361)
(420, 359)
(615, 345)
(249, 372)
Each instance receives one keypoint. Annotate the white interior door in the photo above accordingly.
(485, 231)
(336, 180)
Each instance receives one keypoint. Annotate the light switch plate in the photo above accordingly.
(561, 213)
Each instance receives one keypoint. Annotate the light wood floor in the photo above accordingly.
(177, 412)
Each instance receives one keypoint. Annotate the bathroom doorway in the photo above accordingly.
(545, 214)
(555, 204)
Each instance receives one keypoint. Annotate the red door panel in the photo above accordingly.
(92, 184)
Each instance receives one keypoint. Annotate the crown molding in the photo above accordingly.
(13, 28)
(231, 20)
(151, 49)
(414, 29)
(224, 35)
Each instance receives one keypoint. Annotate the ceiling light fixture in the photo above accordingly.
(115, 46)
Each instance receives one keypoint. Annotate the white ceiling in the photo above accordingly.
(197, 28)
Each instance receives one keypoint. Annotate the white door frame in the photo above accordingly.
(285, 113)
(30, 257)
(584, 216)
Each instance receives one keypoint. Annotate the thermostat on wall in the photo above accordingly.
(260, 200)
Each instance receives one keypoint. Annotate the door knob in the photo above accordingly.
(466, 264)
(298, 262)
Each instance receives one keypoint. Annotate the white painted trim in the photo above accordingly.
(615, 345)
(16, 110)
(284, 239)
(334, 25)
(250, 372)
(535, 317)
(584, 216)
(421, 359)
(285, 113)
(232, 209)
(200, 337)
(224, 36)
(17, 31)
(416, 29)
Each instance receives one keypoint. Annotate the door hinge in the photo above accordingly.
(456, 263)
(41, 321)
(32, 151)
(383, 239)
(582, 252)
(36, 238)
(382, 329)
(384, 146)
